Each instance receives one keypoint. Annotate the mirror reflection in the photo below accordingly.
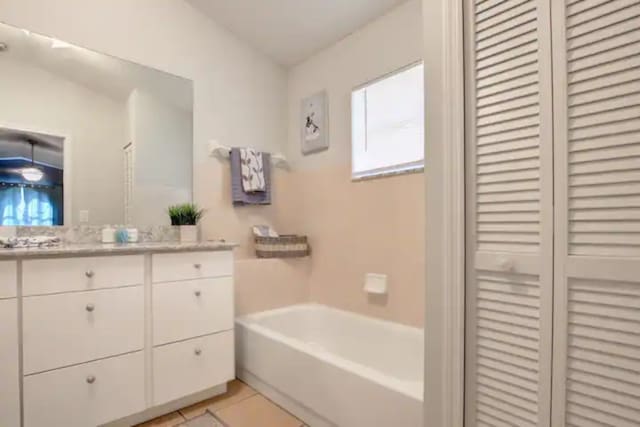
(86, 138)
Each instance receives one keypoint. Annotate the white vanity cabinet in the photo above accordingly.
(94, 325)
(170, 267)
(86, 395)
(192, 323)
(8, 279)
(59, 275)
(82, 339)
(113, 336)
(9, 363)
(203, 307)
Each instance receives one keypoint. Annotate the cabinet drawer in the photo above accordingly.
(188, 367)
(191, 265)
(64, 329)
(191, 308)
(46, 276)
(86, 395)
(8, 279)
(9, 370)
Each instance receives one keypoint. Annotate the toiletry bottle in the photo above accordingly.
(108, 234)
(122, 236)
(133, 235)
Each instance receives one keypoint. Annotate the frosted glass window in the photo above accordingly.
(387, 124)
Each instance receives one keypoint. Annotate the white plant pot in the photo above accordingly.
(188, 233)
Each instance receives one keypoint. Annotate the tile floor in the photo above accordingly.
(241, 406)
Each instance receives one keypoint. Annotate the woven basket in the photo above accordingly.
(287, 246)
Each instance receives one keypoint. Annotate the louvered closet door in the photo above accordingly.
(509, 213)
(596, 54)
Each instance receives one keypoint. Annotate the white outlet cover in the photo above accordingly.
(376, 284)
(84, 216)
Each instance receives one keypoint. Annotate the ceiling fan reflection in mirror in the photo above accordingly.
(32, 173)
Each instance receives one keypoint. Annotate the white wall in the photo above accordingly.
(162, 140)
(240, 95)
(382, 46)
(34, 99)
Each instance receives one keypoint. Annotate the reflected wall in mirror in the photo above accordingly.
(86, 138)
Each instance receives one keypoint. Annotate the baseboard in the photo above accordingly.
(311, 418)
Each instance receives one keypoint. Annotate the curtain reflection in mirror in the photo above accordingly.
(30, 205)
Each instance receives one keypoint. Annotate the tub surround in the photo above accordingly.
(377, 225)
(91, 337)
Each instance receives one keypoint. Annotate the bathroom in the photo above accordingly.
(474, 265)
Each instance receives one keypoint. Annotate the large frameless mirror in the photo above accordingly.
(89, 139)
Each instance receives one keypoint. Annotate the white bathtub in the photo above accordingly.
(334, 368)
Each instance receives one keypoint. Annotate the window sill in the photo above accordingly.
(388, 173)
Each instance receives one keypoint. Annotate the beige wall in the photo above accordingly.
(374, 226)
(263, 284)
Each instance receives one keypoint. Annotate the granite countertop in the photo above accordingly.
(86, 249)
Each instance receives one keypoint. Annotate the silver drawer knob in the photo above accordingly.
(197, 266)
(91, 379)
(198, 293)
(90, 307)
(89, 273)
(197, 351)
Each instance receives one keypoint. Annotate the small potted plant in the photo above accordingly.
(186, 216)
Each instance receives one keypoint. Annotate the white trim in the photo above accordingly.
(386, 75)
(444, 135)
(546, 143)
(562, 262)
(472, 261)
(67, 178)
(67, 163)
(404, 168)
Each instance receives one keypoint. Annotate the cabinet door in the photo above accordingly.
(202, 306)
(191, 265)
(9, 389)
(66, 329)
(187, 367)
(8, 279)
(56, 275)
(86, 395)
(509, 168)
(597, 253)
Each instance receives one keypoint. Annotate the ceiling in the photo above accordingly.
(48, 150)
(290, 31)
(51, 142)
(110, 76)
